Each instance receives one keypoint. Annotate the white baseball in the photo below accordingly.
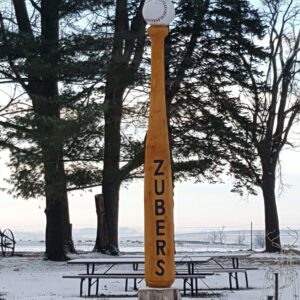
(158, 12)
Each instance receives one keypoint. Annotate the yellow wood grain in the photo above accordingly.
(159, 225)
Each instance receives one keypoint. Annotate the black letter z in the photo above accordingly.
(160, 163)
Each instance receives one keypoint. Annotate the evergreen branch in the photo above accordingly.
(258, 179)
(10, 61)
(87, 92)
(8, 81)
(185, 63)
(86, 159)
(70, 189)
(14, 112)
(256, 98)
(10, 146)
(17, 127)
(13, 79)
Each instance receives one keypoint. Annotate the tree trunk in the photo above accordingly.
(111, 186)
(272, 232)
(102, 234)
(55, 205)
(67, 226)
(111, 202)
(126, 57)
(111, 170)
(58, 230)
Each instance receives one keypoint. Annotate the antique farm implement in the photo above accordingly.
(7, 242)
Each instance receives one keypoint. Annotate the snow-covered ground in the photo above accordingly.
(30, 277)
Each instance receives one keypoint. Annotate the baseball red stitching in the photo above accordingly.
(160, 18)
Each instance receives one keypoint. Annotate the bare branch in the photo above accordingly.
(35, 5)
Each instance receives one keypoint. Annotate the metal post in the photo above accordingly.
(251, 237)
(276, 286)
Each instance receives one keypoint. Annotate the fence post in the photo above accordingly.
(251, 237)
(276, 286)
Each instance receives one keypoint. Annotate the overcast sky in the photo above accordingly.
(196, 205)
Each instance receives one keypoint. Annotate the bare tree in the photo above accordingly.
(275, 102)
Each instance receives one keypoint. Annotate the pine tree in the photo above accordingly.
(49, 46)
(202, 64)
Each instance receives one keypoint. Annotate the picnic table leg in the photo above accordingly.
(97, 286)
(184, 286)
(191, 267)
(235, 264)
(90, 268)
(81, 285)
(236, 281)
(246, 279)
(89, 286)
(134, 284)
(196, 285)
(126, 284)
(230, 281)
(192, 286)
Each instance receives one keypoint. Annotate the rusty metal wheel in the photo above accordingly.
(8, 243)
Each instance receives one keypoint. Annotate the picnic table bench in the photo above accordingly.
(188, 280)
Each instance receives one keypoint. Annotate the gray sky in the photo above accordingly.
(196, 205)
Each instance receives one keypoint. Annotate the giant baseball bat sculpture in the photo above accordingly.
(159, 226)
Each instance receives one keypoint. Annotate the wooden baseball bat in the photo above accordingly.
(159, 225)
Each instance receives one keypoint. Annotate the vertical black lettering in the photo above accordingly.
(159, 163)
(162, 190)
(160, 264)
(160, 247)
(159, 207)
(160, 226)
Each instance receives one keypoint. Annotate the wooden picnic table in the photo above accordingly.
(111, 262)
(234, 257)
(187, 274)
(219, 259)
(188, 267)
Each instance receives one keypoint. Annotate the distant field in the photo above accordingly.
(190, 240)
